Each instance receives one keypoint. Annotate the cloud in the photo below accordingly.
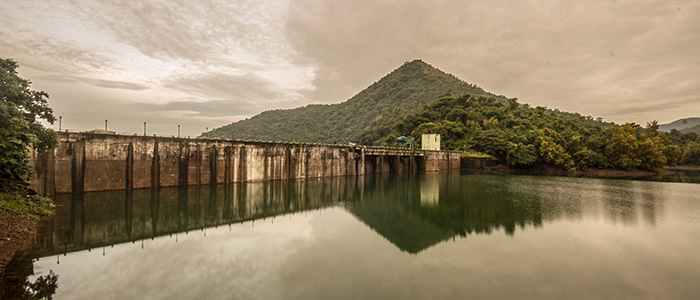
(214, 108)
(110, 84)
(48, 54)
(227, 32)
(593, 56)
(226, 95)
(232, 59)
(657, 107)
(222, 85)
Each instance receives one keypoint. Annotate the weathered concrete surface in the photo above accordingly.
(85, 162)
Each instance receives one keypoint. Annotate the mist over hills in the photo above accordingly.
(404, 90)
(686, 125)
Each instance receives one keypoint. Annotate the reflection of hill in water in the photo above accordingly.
(413, 212)
(417, 213)
(430, 209)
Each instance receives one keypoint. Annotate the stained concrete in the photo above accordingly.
(85, 162)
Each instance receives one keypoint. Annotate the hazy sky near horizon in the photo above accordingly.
(205, 64)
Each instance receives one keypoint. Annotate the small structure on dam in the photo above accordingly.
(430, 142)
(85, 162)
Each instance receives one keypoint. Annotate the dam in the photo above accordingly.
(88, 162)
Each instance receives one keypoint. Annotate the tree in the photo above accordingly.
(621, 146)
(19, 129)
(551, 151)
(691, 155)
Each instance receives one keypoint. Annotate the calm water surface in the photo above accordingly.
(426, 236)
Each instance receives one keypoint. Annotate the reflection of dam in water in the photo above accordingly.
(91, 220)
(413, 212)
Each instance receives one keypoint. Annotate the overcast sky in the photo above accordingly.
(208, 63)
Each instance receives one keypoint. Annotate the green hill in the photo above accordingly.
(402, 91)
(693, 129)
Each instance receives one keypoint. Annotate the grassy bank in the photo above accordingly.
(33, 206)
(19, 215)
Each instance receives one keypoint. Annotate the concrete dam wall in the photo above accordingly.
(85, 162)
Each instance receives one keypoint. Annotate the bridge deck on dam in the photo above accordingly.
(86, 162)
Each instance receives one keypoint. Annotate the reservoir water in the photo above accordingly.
(428, 236)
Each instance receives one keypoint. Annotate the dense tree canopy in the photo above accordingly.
(19, 129)
(691, 155)
(522, 136)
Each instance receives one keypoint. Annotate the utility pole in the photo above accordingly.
(178, 130)
(105, 124)
(59, 122)
(144, 128)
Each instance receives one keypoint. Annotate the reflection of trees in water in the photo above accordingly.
(685, 176)
(689, 176)
(14, 283)
(397, 208)
(623, 199)
(412, 211)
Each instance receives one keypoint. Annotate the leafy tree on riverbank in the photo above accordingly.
(689, 144)
(19, 129)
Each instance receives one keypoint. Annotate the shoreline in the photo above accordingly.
(549, 170)
(15, 233)
(683, 168)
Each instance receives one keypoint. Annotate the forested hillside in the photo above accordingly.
(417, 98)
(523, 136)
(407, 88)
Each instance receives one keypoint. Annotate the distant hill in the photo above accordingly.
(693, 129)
(686, 125)
(404, 90)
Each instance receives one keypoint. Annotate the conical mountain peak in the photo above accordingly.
(412, 85)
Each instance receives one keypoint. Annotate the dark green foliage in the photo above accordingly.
(521, 155)
(522, 136)
(19, 109)
(684, 141)
(18, 287)
(44, 287)
(406, 89)
(691, 155)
